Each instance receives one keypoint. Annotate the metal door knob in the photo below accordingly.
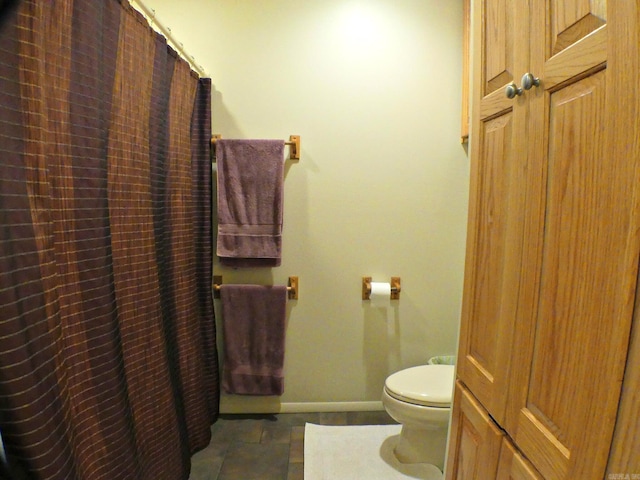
(528, 81)
(512, 90)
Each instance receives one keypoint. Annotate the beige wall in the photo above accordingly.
(373, 88)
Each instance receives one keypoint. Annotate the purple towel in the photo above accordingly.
(250, 199)
(253, 319)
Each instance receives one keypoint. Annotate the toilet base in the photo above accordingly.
(422, 445)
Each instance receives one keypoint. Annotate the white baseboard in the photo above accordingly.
(235, 405)
(304, 407)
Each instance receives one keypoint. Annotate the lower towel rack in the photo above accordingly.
(292, 288)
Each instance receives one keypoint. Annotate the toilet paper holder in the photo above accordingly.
(395, 288)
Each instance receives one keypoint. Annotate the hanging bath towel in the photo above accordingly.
(253, 319)
(250, 201)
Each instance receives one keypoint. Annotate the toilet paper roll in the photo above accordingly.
(380, 293)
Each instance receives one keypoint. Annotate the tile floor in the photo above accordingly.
(266, 447)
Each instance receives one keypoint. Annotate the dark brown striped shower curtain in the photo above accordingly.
(108, 367)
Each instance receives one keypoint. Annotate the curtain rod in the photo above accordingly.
(155, 23)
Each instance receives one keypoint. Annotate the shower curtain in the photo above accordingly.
(108, 366)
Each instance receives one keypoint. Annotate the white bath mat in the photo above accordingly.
(358, 452)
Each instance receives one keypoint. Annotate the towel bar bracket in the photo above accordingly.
(217, 282)
(292, 288)
(294, 147)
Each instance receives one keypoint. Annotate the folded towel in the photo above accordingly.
(250, 199)
(253, 319)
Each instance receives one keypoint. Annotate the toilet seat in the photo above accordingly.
(426, 385)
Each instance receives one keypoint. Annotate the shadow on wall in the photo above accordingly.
(222, 116)
(380, 344)
(223, 122)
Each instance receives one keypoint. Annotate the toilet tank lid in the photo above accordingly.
(424, 385)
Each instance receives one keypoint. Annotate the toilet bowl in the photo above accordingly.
(419, 398)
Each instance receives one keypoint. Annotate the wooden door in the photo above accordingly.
(495, 225)
(513, 466)
(474, 443)
(581, 237)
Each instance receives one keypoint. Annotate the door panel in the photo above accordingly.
(574, 165)
(489, 239)
(493, 255)
(498, 44)
(474, 443)
(513, 466)
(572, 20)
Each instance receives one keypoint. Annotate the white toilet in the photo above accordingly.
(419, 398)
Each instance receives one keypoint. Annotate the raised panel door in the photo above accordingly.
(495, 225)
(581, 247)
